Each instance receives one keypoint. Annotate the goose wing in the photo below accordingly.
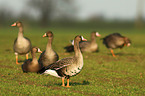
(61, 64)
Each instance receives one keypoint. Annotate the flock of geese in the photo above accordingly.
(49, 62)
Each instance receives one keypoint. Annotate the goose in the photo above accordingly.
(32, 65)
(67, 67)
(116, 40)
(48, 56)
(70, 48)
(22, 45)
(90, 46)
(87, 46)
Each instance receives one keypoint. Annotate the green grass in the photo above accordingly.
(102, 75)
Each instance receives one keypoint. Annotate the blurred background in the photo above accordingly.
(74, 13)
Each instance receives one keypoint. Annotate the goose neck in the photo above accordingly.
(49, 44)
(93, 39)
(77, 49)
(34, 59)
(20, 34)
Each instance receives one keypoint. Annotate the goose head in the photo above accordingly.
(36, 50)
(48, 34)
(78, 38)
(82, 39)
(17, 24)
(127, 41)
(96, 34)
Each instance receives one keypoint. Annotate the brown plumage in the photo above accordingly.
(48, 56)
(116, 40)
(67, 67)
(86, 46)
(22, 45)
(32, 65)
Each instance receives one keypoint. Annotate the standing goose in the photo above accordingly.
(90, 46)
(32, 65)
(116, 40)
(22, 45)
(67, 67)
(87, 46)
(48, 56)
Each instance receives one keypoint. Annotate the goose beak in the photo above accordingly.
(44, 35)
(83, 39)
(14, 24)
(128, 44)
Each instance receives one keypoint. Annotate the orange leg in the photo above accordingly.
(113, 53)
(26, 56)
(17, 59)
(63, 82)
(68, 83)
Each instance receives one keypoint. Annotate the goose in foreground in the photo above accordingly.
(32, 65)
(67, 67)
(116, 40)
(22, 45)
(48, 56)
(87, 46)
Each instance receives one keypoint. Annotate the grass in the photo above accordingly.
(102, 75)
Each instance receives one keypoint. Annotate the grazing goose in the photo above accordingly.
(116, 40)
(48, 56)
(67, 67)
(22, 45)
(87, 46)
(32, 65)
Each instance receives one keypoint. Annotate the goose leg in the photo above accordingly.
(27, 56)
(63, 82)
(68, 83)
(17, 59)
(113, 53)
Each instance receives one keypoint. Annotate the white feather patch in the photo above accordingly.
(52, 72)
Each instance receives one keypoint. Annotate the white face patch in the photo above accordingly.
(97, 34)
(39, 50)
(72, 42)
(83, 39)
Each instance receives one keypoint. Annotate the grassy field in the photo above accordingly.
(102, 74)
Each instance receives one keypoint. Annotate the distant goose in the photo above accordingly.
(116, 40)
(32, 65)
(22, 45)
(67, 67)
(90, 46)
(70, 48)
(48, 56)
(87, 46)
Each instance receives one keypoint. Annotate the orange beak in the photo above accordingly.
(44, 35)
(14, 24)
(128, 44)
